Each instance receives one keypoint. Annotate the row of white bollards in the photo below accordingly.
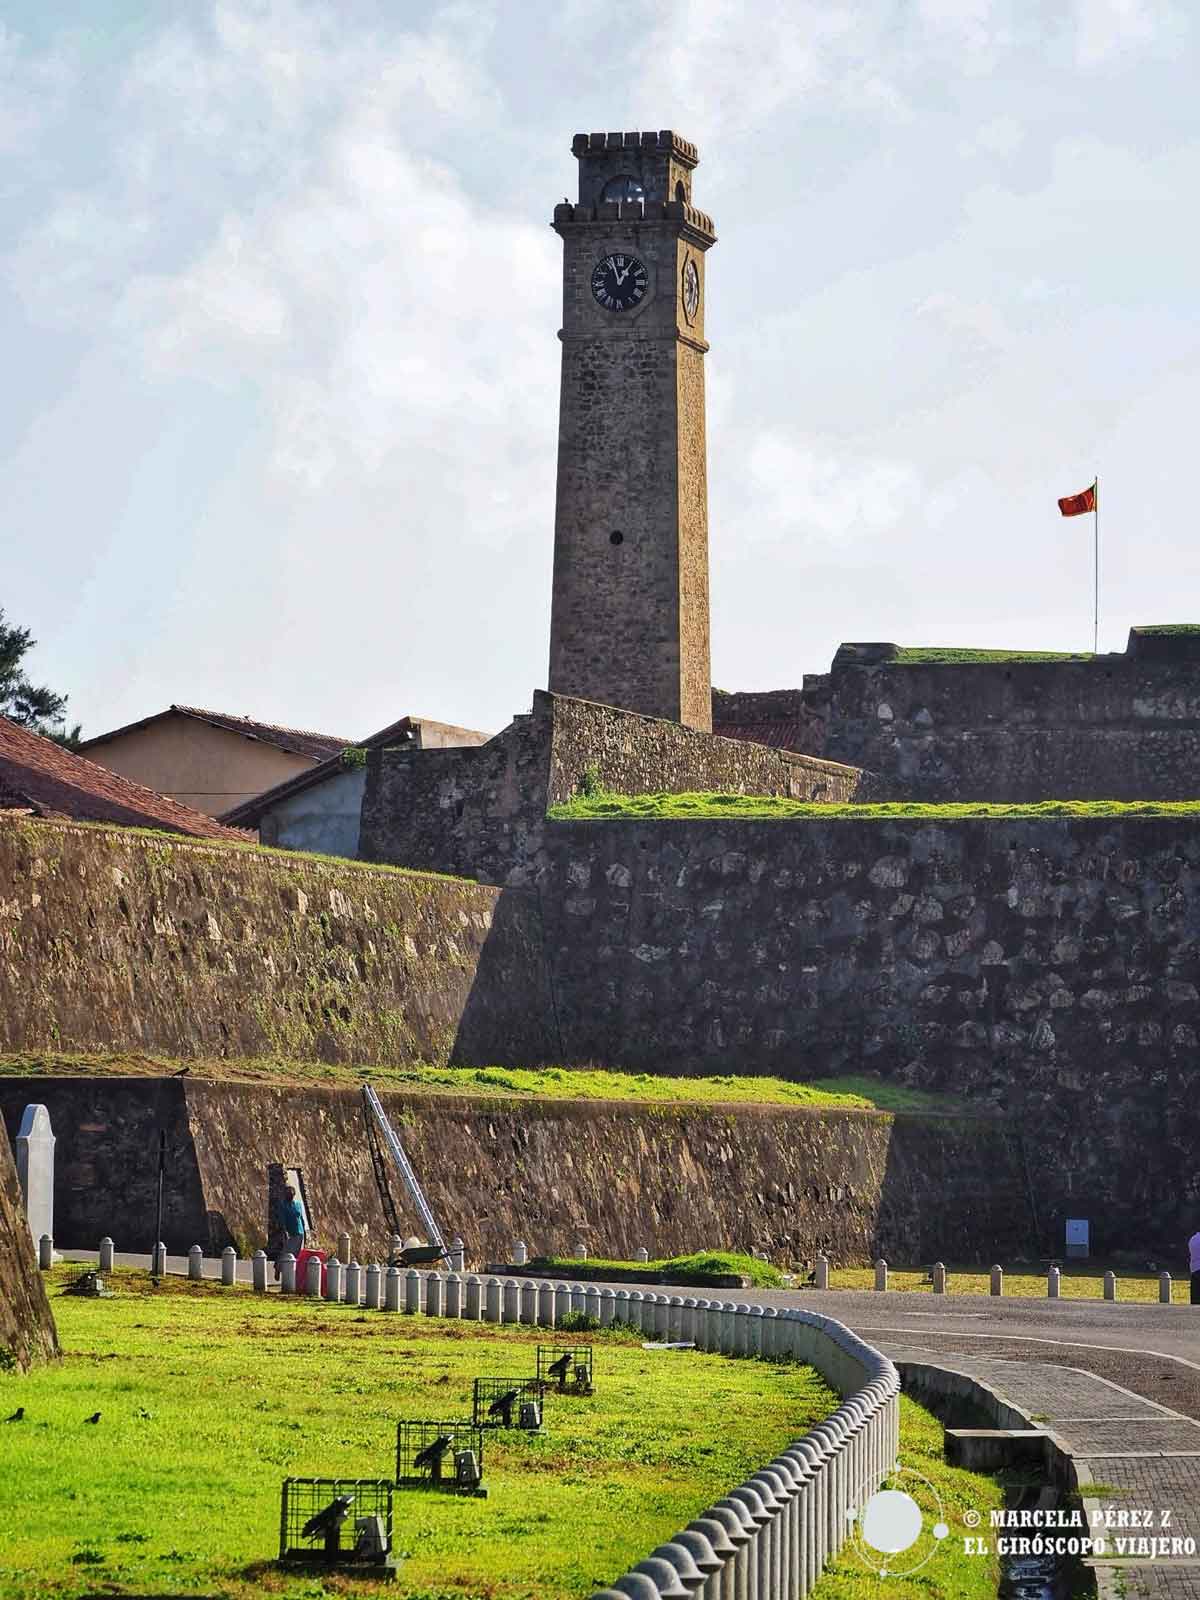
(937, 1279)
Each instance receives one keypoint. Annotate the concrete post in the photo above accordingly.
(335, 1281)
(158, 1260)
(754, 1330)
(581, 1252)
(529, 1302)
(641, 1254)
(454, 1294)
(608, 1308)
(687, 1320)
(434, 1291)
(354, 1284)
(634, 1309)
(939, 1277)
(287, 1273)
(1164, 1288)
(997, 1286)
(545, 1305)
(45, 1252)
(35, 1169)
(881, 1272)
(312, 1277)
(770, 1331)
(195, 1262)
(821, 1272)
(578, 1299)
(106, 1255)
(510, 1301)
(591, 1302)
(675, 1318)
(472, 1298)
(258, 1266)
(229, 1260)
(374, 1286)
(343, 1249)
(392, 1289)
(520, 1253)
(562, 1302)
(396, 1246)
(412, 1290)
(458, 1257)
(621, 1312)
(493, 1301)
(1053, 1279)
(1110, 1286)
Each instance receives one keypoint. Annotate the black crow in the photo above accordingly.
(559, 1369)
(330, 1518)
(502, 1406)
(17, 1416)
(432, 1454)
(182, 1073)
(95, 1417)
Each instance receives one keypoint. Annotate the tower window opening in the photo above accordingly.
(681, 193)
(623, 187)
(616, 537)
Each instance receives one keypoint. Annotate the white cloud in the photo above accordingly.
(1110, 31)
(804, 487)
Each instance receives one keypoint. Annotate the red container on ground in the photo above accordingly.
(302, 1261)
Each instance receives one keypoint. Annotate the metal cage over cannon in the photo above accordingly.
(507, 1403)
(565, 1368)
(440, 1455)
(340, 1523)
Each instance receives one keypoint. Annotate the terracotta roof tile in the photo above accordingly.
(38, 775)
(297, 741)
(784, 735)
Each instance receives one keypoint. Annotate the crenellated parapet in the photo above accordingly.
(662, 142)
(694, 220)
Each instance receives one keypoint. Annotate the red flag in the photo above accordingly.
(1074, 505)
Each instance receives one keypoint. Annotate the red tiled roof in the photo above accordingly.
(38, 775)
(785, 735)
(296, 741)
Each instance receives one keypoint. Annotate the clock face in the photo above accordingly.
(618, 282)
(691, 289)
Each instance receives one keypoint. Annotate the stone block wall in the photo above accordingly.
(1049, 969)
(482, 813)
(616, 1176)
(114, 939)
(1119, 727)
(27, 1331)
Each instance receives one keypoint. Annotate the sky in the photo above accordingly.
(279, 304)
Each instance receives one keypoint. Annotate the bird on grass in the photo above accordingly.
(17, 1416)
(811, 1281)
(182, 1073)
(95, 1417)
(330, 1518)
(559, 1369)
(502, 1406)
(432, 1454)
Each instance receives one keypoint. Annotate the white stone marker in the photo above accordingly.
(641, 1253)
(229, 1259)
(1110, 1286)
(495, 1294)
(391, 1293)
(581, 1252)
(195, 1262)
(472, 1298)
(881, 1271)
(45, 1252)
(353, 1284)
(939, 1277)
(35, 1170)
(1053, 1280)
(454, 1290)
(343, 1249)
(258, 1266)
(312, 1277)
(520, 1253)
(335, 1274)
(158, 1260)
(287, 1273)
(1164, 1288)
(106, 1254)
(412, 1290)
(821, 1272)
(997, 1286)
(434, 1285)
(458, 1257)
(374, 1283)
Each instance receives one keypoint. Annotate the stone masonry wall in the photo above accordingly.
(27, 1331)
(1049, 968)
(481, 812)
(114, 939)
(616, 1176)
(1121, 727)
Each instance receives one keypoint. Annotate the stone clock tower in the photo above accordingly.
(629, 617)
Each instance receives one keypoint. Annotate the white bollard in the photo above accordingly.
(195, 1262)
(1053, 1281)
(312, 1277)
(520, 1253)
(287, 1273)
(396, 1247)
(472, 1298)
(1110, 1286)
(412, 1291)
(510, 1307)
(158, 1260)
(529, 1302)
(997, 1286)
(335, 1280)
(458, 1257)
(821, 1272)
(45, 1252)
(591, 1302)
(641, 1254)
(391, 1294)
(581, 1252)
(562, 1302)
(343, 1249)
(434, 1286)
(494, 1295)
(881, 1275)
(1164, 1288)
(353, 1284)
(454, 1287)
(229, 1259)
(258, 1266)
(608, 1307)
(106, 1254)
(545, 1302)
(374, 1286)
(939, 1277)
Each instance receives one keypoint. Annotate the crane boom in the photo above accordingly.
(391, 1139)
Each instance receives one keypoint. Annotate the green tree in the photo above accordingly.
(28, 704)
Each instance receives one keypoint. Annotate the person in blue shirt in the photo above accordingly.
(291, 1218)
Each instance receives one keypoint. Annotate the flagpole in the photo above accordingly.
(1096, 565)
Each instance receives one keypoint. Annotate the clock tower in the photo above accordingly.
(629, 615)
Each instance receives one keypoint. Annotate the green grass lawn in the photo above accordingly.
(531, 1083)
(765, 808)
(1079, 1281)
(210, 1397)
(699, 1269)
